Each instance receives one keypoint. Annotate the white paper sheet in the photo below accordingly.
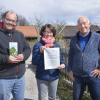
(51, 58)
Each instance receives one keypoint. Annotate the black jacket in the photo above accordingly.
(8, 70)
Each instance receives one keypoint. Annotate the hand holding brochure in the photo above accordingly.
(51, 58)
(13, 48)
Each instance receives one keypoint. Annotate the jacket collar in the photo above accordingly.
(7, 31)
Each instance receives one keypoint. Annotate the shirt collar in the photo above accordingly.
(80, 34)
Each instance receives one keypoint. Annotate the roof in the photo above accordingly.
(70, 31)
(28, 31)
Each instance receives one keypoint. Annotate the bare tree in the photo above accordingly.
(1, 12)
(38, 23)
(22, 20)
(59, 25)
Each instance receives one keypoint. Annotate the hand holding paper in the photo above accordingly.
(42, 49)
(61, 66)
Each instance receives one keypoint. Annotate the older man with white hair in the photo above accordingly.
(83, 66)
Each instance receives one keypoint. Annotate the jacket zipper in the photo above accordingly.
(82, 62)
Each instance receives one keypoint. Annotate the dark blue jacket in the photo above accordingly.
(83, 62)
(8, 70)
(38, 60)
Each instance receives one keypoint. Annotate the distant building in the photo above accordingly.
(28, 31)
(70, 31)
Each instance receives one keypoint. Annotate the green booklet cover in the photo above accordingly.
(13, 48)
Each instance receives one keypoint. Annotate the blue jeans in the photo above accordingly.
(14, 86)
(47, 89)
(79, 86)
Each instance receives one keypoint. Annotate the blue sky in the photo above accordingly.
(50, 11)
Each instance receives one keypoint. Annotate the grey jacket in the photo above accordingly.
(81, 63)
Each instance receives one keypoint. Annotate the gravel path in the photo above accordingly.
(31, 86)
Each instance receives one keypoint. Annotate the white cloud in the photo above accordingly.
(68, 10)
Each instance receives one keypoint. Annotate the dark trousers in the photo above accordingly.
(80, 84)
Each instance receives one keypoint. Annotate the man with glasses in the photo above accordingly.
(84, 67)
(12, 64)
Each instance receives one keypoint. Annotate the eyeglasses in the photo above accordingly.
(10, 20)
(48, 35)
